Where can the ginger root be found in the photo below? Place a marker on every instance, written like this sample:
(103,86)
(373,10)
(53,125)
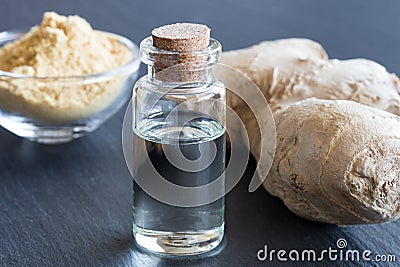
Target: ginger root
(336,161)
(275,65)
(360,80)
(290,70)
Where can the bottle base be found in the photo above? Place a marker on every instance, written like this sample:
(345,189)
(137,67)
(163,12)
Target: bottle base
(178,243)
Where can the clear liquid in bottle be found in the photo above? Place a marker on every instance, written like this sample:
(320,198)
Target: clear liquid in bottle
(169,228)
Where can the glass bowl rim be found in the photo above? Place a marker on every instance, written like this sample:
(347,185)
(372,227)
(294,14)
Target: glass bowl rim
(128,68)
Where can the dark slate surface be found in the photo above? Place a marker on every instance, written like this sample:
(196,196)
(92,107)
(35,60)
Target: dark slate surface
(70,205)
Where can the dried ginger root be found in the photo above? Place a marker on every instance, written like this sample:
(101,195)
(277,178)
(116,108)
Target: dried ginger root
(276,65)
(337,161)
(290,70)
(360,80)
(348,158)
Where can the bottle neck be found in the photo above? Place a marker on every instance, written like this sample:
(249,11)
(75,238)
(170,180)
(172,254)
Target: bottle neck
(181,75)
(180,68)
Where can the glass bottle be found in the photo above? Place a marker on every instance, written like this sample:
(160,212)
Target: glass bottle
(179,151)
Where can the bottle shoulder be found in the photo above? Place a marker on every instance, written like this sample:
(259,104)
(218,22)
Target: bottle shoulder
(147,86)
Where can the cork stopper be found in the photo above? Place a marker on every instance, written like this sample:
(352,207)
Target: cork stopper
(181,37)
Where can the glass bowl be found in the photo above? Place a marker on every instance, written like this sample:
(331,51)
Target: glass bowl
(69,107)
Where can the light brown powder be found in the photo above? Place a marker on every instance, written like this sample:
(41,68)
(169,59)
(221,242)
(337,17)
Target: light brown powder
(60,47)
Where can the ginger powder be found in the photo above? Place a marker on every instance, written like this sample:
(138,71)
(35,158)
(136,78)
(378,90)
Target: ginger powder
(61,46)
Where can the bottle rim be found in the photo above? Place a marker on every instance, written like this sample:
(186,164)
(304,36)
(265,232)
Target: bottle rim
(149,54)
